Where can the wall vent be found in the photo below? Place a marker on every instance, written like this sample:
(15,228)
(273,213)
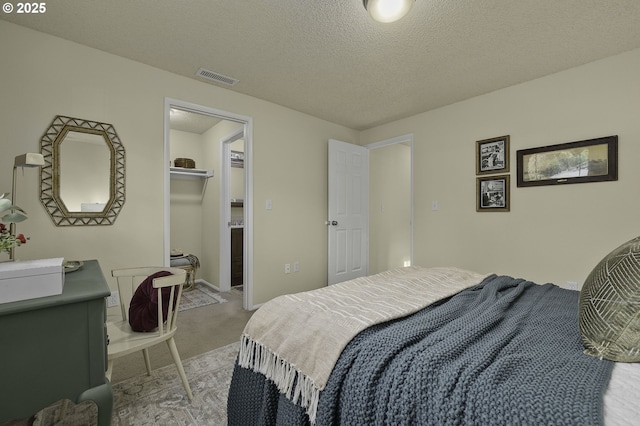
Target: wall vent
(214,76)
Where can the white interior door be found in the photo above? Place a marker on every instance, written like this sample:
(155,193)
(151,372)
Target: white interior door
(348,216)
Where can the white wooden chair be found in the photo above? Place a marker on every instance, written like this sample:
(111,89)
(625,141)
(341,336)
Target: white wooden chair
(123,340)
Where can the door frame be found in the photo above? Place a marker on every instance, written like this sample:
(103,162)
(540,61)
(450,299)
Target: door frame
(225,208)
(247,300)
(408,138)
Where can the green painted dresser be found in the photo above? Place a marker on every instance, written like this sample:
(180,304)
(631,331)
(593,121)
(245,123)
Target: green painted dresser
(55,347)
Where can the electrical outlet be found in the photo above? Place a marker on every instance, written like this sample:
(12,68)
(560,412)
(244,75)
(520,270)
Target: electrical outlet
(113,300)
(572,285)
(287,268)
(296,266)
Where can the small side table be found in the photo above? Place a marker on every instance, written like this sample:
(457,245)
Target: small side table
(189,263)
(55,348)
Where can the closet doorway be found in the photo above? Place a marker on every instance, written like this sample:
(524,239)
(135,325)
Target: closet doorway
(391,203)
(198,212)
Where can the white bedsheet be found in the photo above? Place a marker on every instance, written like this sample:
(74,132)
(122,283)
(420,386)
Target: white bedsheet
(622,397)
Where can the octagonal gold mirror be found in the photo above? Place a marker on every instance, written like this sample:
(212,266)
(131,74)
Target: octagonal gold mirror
(83,179)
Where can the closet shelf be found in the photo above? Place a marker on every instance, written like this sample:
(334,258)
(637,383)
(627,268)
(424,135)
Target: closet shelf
(190,173)
(182,173)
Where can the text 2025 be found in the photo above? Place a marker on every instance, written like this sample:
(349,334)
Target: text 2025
(31,7)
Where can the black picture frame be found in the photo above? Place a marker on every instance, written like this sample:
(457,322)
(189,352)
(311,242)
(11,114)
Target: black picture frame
(492,155)
(591,160)
(493,193)
(237,159)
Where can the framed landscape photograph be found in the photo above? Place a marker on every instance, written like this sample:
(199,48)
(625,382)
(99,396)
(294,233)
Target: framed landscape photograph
(492,194)
(492,155)
(592,160)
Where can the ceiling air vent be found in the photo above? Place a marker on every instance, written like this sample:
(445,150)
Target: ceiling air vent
(218,78)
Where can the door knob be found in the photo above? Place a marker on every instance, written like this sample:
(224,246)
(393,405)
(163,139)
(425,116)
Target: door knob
(331,222)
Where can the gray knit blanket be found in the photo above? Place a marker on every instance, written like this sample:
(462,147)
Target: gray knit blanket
(295,340)
(504,352)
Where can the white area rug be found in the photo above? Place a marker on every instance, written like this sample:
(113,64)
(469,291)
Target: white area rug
(201,295)
(160,399)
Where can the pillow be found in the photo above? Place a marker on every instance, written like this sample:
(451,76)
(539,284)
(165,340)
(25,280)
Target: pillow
(143,309)
(609,307)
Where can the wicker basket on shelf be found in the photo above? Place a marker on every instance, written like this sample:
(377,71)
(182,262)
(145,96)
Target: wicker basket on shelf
(186,163)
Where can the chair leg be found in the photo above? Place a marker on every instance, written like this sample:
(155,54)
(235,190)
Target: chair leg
(176,359)
(147,361)
(109,370)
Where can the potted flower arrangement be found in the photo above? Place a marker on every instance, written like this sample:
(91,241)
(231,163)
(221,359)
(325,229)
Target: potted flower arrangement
(10,214)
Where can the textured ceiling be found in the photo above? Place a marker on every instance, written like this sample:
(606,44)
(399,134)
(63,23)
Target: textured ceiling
(327,58)
(188,121)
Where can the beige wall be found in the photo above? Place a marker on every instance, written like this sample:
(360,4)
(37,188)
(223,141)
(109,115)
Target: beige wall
(44,76)
(553,233)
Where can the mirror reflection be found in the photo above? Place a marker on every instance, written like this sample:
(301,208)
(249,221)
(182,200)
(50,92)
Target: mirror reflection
(84,172)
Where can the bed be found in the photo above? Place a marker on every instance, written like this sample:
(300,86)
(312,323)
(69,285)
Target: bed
(429,346)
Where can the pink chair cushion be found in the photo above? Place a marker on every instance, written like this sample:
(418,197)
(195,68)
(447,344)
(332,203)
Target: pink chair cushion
(143,310)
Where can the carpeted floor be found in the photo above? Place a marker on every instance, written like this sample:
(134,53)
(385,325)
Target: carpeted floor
(160,399)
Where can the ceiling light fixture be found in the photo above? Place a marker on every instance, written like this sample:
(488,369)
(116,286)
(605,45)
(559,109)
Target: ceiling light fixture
(387,10)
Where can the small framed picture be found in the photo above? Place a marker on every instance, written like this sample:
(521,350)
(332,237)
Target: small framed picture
(492,155)
(492,194)
(237,159)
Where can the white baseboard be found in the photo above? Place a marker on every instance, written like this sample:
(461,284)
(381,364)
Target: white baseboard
(217,288)
(208,284)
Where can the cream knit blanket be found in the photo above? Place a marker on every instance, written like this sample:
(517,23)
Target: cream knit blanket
(295,340)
